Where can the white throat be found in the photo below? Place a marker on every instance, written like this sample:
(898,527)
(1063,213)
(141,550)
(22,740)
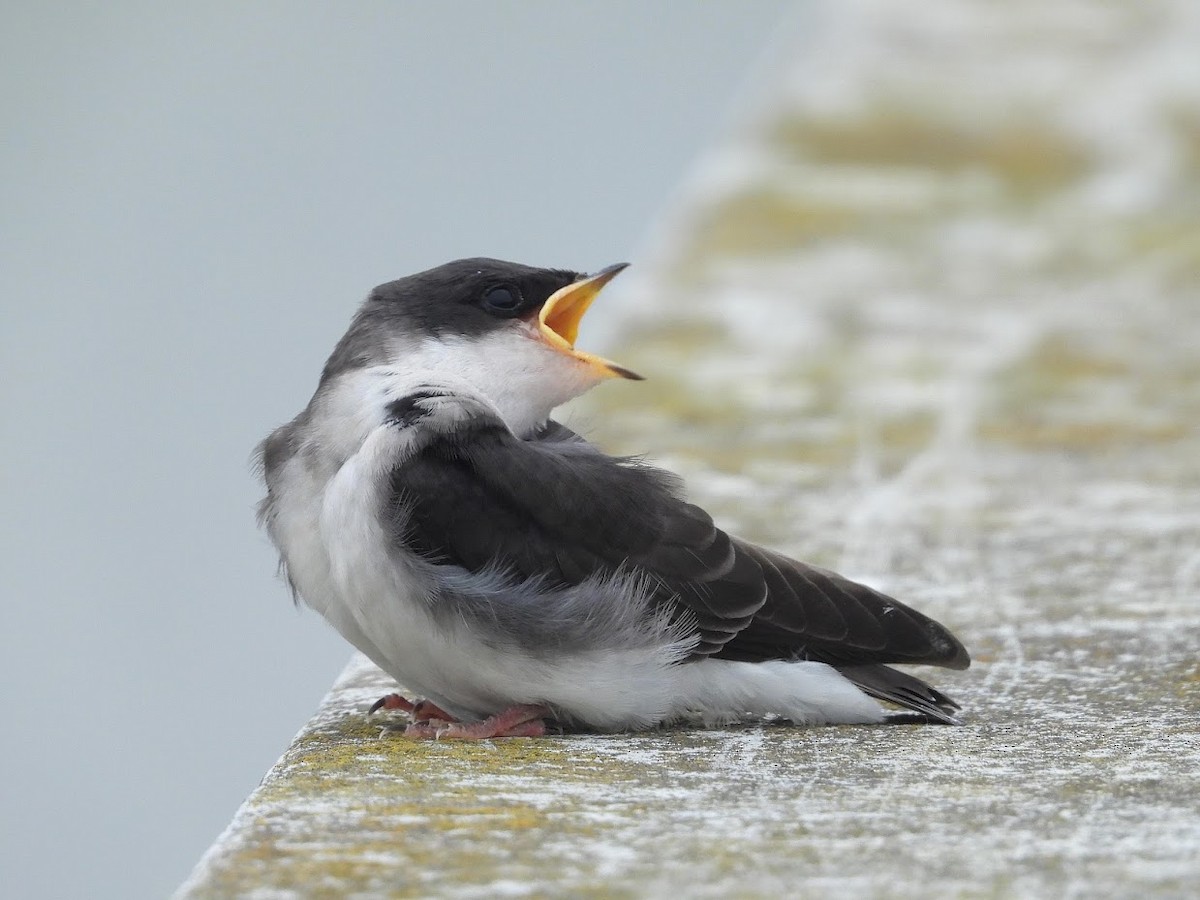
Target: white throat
(513,368)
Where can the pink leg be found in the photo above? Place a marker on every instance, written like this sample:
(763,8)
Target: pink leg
(430,722)
(532,728)
(516,721)
(424,710)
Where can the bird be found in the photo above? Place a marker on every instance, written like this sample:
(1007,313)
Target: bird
(521,581)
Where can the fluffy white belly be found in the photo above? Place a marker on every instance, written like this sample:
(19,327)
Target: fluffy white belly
(346,565)
(379,597)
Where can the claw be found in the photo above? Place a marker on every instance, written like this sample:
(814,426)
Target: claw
(392,701)
(421,731)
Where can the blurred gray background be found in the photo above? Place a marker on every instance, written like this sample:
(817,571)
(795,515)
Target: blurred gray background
(193,201)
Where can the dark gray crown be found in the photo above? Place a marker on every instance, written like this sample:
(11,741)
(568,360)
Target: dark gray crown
(448,300)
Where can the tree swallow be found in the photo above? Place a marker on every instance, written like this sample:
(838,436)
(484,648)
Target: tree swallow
(513,574)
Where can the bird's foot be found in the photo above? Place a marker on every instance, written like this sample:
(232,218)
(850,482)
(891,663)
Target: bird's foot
(428,711)
(429,722)
(420,711)
(516,721)
(425,718)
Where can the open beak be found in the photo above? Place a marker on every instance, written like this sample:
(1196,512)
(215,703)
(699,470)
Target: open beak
(560,316)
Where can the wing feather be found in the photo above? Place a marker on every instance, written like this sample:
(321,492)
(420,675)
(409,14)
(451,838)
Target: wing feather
(555,507)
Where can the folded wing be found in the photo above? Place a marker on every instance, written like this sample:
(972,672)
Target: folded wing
(556,507)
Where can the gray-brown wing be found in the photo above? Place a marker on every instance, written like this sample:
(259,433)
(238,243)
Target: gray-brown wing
(558,509)
(813,613)
(555,507)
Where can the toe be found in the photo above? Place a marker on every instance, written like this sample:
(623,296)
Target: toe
(391,701)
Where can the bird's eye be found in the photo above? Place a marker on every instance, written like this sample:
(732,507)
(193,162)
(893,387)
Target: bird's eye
(501,300)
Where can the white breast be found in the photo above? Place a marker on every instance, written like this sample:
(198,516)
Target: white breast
(343,560)
(325,520)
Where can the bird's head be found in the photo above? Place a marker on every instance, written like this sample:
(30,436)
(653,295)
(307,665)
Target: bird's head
(505,329)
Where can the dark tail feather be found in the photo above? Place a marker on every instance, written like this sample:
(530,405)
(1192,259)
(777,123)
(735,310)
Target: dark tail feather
(883,683)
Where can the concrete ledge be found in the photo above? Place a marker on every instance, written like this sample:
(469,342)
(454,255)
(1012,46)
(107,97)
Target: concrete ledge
(1011,804)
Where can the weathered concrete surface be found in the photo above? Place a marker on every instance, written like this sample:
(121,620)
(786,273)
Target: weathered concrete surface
(934,321)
